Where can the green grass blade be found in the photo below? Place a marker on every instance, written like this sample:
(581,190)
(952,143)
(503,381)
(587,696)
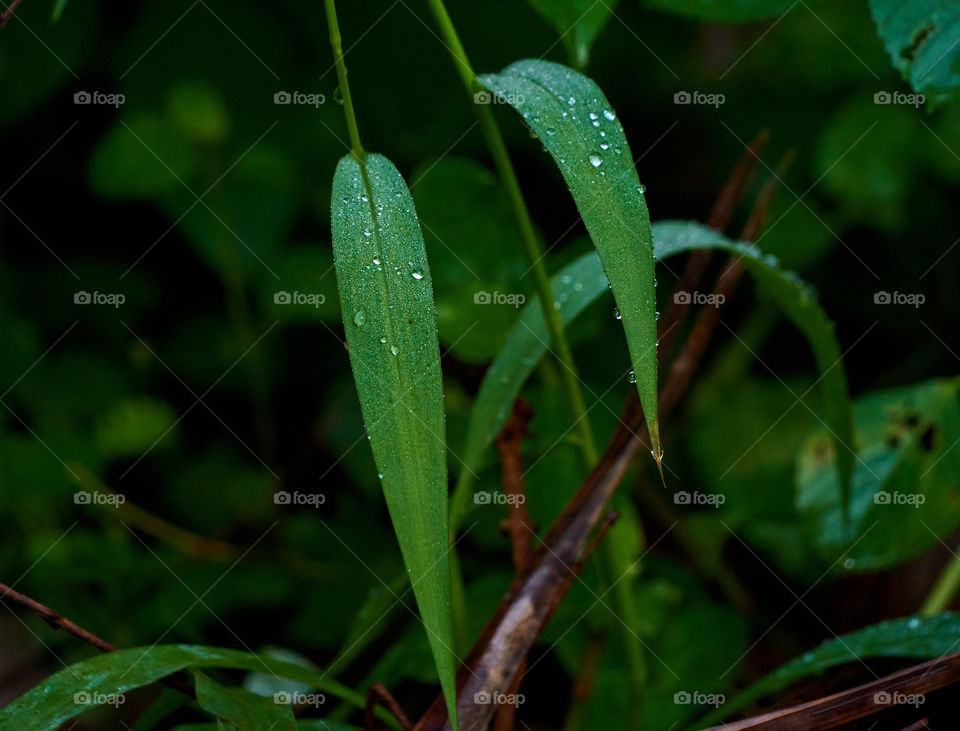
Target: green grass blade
(915,637)
(386,296)
(799,304)
(583,281)
(51,703)
(579,128)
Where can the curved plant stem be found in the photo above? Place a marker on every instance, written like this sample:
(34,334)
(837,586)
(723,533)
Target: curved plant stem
(337,45)
(508,177)
(944,590)
(612,566)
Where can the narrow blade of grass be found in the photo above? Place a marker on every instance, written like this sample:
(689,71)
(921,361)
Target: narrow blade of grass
(386,296)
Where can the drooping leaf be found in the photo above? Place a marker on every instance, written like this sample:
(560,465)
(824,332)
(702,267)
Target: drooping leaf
(578,22)
(915,637)
(247,710)
(905,490)
(51,703)
(921,38)
(799,304)
(725,11)
(386,298)
(583,281)
(579,128)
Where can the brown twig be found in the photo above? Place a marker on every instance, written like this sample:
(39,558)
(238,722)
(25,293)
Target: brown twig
(55,619)
(508,444)
(7,14)
(860,702)
(376,693)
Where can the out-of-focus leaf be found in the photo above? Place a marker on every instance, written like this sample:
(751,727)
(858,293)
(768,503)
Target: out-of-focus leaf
(132,426)
(306,290)
(921,38)
(906,484)
(579,128)
(475,251)
(386,297)
(914,637)
(247,710)
(52,703)
(197,110)
(583,281)
(578,22)
(725,11)
(58,9)
(863,161)
(125,161)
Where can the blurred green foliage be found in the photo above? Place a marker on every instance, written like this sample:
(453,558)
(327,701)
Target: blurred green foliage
(200,199)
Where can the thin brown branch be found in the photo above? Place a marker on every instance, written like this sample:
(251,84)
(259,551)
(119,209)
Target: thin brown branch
(508,443)
(864,700)
(58,621)
(376,693)
(7,14)
(55,619)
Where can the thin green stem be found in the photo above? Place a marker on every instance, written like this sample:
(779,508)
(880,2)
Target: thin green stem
(944,590)
(337,45)
(508,177)
(614,560)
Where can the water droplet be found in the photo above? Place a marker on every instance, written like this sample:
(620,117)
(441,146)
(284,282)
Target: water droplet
(604,145)
(376,260)
(609,115)
(616,312)
(849,563)
(593,116)
(417,275)
(641,189)
(551,131)
(656,315)
(338,96)
(359,318)
(364,199)
(383,340)
(571,101)
(367,232)
(596,160)
(913,623)
(380,475)
(632,377)
(394,349)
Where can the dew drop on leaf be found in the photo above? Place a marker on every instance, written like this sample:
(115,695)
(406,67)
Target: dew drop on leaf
(359,318)
(417,275)
(394,349)
(632,377)
(596,160)
(609,115)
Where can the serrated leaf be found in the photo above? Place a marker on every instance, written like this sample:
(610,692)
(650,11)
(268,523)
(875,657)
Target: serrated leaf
(578,22)
(915,637)
(579,128)
(921,38)
(583,281)
(51,703)
(247,710)
(386,296)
